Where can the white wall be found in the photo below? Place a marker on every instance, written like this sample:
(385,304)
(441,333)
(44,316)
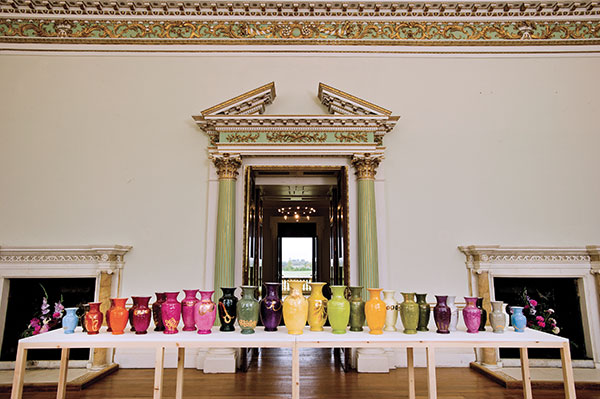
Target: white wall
(103,149)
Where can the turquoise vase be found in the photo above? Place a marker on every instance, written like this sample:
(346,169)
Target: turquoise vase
(69,321)
(519,321)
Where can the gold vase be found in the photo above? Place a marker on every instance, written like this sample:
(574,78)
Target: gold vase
(317,307)
(375,311)
(295,309)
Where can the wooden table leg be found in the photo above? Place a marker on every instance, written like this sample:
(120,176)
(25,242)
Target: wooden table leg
(295,372)
(180,363)
(567,367)
(410,365)
(431,379)
(525,374)
(61,391)
(19,375)
(159,370)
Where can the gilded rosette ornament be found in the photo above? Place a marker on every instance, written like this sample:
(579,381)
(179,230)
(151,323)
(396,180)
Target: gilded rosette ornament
(366,165)
(227,166)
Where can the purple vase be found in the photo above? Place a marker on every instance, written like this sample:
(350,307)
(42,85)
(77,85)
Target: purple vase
(131,309)
(187,310)
(471,315)
(271,310)
(171,313)
(442,314)
(141,314)
(205,312)
(156,314)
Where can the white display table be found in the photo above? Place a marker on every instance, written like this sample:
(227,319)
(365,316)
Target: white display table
(280,339)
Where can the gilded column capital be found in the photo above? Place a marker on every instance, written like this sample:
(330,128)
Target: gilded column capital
(366,165)
(227,166)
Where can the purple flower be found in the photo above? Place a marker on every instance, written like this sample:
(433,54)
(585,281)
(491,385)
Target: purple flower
(45,306)
(58,307)
(34,322)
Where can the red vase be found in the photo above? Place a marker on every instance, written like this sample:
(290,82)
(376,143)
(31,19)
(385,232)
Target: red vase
(156,314)
(187,310)
(118,316)
(107,317)
(171,313)
(93,318)
(141,314)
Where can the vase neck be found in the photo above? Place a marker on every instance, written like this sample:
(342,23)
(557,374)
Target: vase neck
(272,289)
(338,291)
(296,287)
(441,299)
(71,311)
(248,292)
(120,301)
(190,293)
(408,296)
(94,306)
(356,292)
(421,297)
(141,300)
(471,301)
(206,295)
(374,293)
(229,291)
(172,296)
(160,296)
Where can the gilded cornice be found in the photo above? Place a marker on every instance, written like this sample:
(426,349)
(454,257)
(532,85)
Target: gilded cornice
(366,165)
(227,166)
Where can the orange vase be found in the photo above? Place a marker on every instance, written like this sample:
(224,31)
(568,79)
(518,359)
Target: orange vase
(375,311)
(93,318)
(119,316)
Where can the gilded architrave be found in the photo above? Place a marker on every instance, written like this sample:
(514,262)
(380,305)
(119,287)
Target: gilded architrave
(355,137)
(366,165)
(227,166)
(243,138)
(296,137)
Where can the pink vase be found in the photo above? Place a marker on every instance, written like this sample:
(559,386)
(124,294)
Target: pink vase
(471,315)
(187,310)
(205,312)
(141,314)
(171,313)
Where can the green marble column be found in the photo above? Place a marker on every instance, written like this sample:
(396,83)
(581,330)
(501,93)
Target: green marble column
(368,266)
(227,169)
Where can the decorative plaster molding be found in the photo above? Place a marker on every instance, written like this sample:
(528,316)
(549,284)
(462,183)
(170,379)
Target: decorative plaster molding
(366,165)
(227,165)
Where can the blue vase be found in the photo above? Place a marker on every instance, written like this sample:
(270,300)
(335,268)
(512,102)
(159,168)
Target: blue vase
(518,319)
(69,321)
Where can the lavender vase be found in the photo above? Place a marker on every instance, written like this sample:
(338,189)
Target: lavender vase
(171,313)
(187,310)
(205,312)
(471,315)
(141,315)
(271,309)
(442,314)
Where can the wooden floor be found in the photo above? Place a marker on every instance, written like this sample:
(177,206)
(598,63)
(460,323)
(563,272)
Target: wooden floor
(321,376)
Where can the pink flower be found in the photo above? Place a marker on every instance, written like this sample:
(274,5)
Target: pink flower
(56,315)
(526,307)
(541,324)
(45,328)
(533,302)
(34,322)
(36,329)
(539,318)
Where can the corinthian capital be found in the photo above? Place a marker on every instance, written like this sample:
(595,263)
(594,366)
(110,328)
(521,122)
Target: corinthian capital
(227,166)
(366,165)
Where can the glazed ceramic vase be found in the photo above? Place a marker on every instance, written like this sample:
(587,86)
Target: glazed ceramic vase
(227,309)
(357,309)
(156,314)
(119,316)
(130,313)
(271,308)
(171,313)
(424,312)
(409,313)
(338,309)
(93,318)
(70,320)
(453,313)
(295,309)
(471,315)
(141,314)
(483,314)
(107,316)
(497,317)
(205,312)
(442,314)
(83,309)
(317,307)
(391,310)
(248,309)
(518,319)
(506,316)
(188,304)
(375,311)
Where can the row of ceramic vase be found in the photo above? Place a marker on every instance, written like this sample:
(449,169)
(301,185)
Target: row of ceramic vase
(296,310)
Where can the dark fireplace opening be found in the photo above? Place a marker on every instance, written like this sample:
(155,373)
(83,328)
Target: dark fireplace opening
(561,295)
(25,298)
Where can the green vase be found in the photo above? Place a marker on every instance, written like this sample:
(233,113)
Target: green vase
(248,309)
(338,309)
(424,312)
(357,309)
(409,312)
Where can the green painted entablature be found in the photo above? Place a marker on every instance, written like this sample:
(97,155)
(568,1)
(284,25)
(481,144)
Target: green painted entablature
(297,137)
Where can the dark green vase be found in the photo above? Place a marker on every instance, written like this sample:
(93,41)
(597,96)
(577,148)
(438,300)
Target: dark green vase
(410,312)
(357,309)
(424,312)
(248,309)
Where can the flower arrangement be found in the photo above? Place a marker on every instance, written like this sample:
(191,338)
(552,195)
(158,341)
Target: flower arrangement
(44,320)
(539,317)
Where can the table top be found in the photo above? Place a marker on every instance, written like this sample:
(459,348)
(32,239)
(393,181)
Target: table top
(280,338)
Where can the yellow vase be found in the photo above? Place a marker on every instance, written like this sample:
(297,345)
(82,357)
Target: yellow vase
(317,307)
(375,311)
(295,309)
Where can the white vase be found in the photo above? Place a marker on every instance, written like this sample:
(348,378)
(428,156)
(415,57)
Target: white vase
(507,318)
(391,310)
(454,314)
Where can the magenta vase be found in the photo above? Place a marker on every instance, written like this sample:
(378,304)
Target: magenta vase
(171,313)
(471,315)
(442,314)
(187,310)
(205,312)
(156,314)
(141,314)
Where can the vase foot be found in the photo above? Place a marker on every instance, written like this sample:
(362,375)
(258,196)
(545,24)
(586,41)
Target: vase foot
(189,329)
(410,331)
(140,332)
(204,331)
(376,332)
